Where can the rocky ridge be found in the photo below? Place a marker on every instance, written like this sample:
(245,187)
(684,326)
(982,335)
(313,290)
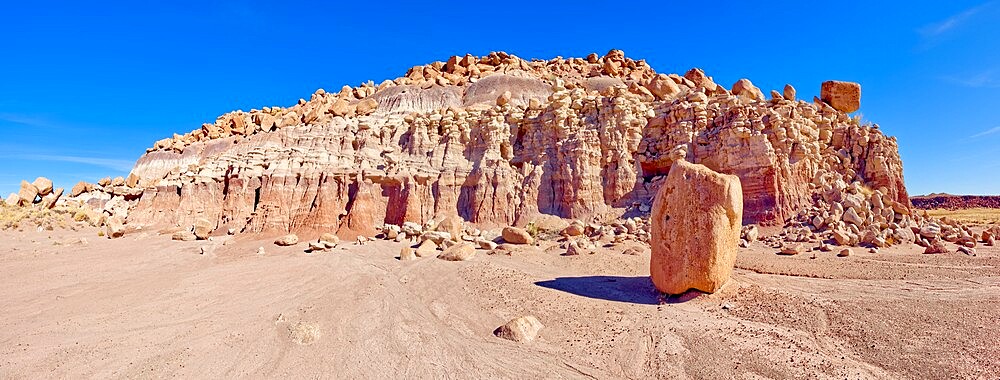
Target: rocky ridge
(955,202)
(499,140)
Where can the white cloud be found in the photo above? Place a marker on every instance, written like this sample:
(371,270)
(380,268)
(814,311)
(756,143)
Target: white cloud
(939,28)
(110,163)
(986,132)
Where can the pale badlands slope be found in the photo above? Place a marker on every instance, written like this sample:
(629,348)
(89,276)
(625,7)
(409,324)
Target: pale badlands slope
(147,307)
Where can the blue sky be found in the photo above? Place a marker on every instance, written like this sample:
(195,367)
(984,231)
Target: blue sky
(85,87)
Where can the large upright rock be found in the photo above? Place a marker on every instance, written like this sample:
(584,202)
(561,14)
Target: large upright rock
(842,96)
(696,222)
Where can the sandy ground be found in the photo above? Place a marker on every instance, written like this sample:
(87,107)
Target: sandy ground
(147,307)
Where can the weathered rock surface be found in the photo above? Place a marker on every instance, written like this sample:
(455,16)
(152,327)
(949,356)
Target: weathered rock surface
(459,252)
(696,221)
(516,235)
(44,186)
(573,139)
(842,96)
(27,194)
(287,240)
(520,329)
(203,228)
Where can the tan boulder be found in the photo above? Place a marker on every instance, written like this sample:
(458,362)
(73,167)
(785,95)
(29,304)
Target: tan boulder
(407,254)
(936,246)
(750,233)
(183,236)
(576,228)
(459,252)
(520,329)
(118,181)
(504,98)
(329,240)
(695,233)
(44,186)
(698,77)
(789,92)
(115,228)
(12,200)
(792,249)
(287,240)
(427,248)
(203,228)
(842,96)
(745,88)
(80,188)
(104,181)
(366,107)
(27,194)
(663,87)
(453,225)
(132,180)
(341,108)
(49,201)
(516,235)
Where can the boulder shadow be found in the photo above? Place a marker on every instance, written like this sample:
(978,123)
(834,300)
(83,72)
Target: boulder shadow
(637,290)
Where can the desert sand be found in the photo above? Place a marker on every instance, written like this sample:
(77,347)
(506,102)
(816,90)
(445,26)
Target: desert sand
(79,306)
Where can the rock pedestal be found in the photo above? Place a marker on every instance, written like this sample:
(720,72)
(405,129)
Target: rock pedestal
(696,221)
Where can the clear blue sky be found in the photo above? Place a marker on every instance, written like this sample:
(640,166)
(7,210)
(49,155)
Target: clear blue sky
(85,87)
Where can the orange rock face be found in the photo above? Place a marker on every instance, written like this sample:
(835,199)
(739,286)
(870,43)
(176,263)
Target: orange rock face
(842,96)
(696,221)
(573,138)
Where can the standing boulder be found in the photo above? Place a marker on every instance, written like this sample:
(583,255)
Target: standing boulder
(842,96)
(696,220)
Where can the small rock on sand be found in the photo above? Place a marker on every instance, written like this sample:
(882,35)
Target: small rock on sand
(459,252)
(520,329)
(407,254)
(287,240)
(516,235)
(427,248)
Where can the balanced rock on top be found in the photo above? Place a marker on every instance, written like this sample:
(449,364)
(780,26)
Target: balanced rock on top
(842,96)
(696,220)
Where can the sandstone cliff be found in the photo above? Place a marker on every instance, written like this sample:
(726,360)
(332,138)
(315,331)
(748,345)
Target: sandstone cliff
(499,140)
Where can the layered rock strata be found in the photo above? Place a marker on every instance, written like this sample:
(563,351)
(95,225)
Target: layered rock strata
(499,140)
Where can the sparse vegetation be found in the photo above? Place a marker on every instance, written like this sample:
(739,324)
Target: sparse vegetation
(14,218)
(969,216)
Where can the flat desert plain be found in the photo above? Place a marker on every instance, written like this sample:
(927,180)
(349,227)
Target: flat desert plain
(75,305)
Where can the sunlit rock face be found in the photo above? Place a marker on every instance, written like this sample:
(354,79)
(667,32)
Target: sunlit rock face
(499,140)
